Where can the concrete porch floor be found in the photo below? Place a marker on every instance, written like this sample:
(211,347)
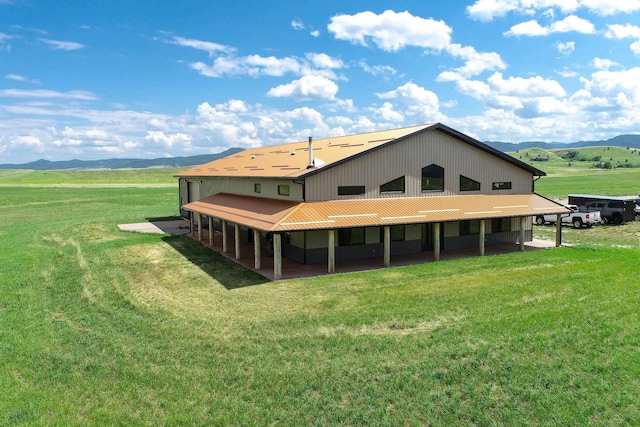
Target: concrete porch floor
(292,269)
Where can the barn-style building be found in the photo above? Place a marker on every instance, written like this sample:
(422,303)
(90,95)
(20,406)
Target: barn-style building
(426,188)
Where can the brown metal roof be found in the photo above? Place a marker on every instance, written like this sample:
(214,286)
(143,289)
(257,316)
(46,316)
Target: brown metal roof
(278,215)
(291,160)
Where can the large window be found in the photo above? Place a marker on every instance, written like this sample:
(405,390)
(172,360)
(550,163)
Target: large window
(396,233)
(283,190)
(470,227)
(350,190)
(500,224)
(433,178)
(395,186)
(351,236)
(468,184)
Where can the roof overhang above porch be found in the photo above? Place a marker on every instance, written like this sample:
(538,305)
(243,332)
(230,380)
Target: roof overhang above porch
(281,215)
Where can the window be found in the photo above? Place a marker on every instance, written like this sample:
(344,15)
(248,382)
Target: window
(351,236)
(433,178)
(396,232)
(467,184)
(283,190)
(395,186)
(257,188)
(500,224)
(350,190)
(468,228)
(501,185)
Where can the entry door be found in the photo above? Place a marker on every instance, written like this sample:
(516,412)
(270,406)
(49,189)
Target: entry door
(427,231)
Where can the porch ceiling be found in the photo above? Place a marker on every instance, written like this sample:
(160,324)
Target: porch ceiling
(281,215)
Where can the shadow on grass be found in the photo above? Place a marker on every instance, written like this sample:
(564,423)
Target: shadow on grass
(165,218)
(224,271)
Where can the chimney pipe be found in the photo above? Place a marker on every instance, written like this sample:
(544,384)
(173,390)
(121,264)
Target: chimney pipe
(310,165)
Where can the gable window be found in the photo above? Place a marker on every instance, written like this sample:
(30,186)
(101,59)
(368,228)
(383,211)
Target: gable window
(501,185)
(500,224)
(395,186)
(350,190)
(283,190)
(468,184)
(351,236)
(396,233)
(257,188)
(468,228)
(433,178)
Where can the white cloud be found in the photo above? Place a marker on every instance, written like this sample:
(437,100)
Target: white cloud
(603,64)
(306,88)
(487,10)
(168,140)
(391,31)
(566,48)
(617,31)
(378,70)
(322,60)
(526,88)
(569,24)
(621,88)
(208,47)
(418,101)
(297,25)
(386,113)
(475,62)
(63,45)
(80,95)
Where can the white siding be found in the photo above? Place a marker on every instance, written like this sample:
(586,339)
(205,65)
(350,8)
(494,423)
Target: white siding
(408,158)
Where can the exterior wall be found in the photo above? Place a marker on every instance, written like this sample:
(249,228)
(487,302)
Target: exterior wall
(208,186)
(408,158)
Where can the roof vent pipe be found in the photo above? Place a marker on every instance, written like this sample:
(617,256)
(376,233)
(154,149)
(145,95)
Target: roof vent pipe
(310,165)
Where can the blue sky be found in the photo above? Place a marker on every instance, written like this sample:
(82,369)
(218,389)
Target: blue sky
(146,79)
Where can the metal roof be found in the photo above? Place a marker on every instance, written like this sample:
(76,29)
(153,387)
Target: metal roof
(279,215)
(292,160)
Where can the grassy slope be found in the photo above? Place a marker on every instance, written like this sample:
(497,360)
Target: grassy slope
(99,326)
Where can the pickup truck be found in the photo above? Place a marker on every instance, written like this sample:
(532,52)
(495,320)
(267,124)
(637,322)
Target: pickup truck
(576,218)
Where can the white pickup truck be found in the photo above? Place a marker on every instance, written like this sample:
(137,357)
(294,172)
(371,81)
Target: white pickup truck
(577,218)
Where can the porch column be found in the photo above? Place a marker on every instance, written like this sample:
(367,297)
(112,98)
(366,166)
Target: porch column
(523,222)
(482,235)
(436,241)
(211,231)
(225,240)
(236,236)
(277,256)
(331,252)
(387,246)
(558,230)
(191,229)
(256,248)
(199,226)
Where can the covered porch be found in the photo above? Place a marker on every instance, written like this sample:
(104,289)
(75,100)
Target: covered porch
(276,217)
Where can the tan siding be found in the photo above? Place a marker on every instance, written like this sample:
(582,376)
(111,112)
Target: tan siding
(408,158)
(245,187)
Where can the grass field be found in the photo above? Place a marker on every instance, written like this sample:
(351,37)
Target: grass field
(100,326)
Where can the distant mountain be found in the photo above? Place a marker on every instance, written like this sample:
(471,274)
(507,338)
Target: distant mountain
(45,165)
(631,141)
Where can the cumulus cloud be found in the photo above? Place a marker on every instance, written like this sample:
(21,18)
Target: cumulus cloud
(168,140)
(619,32)
(603,64)
(306,88)
(566,49)
(416,100)
(487,10)
(569,24)
(62,45)
(391,31)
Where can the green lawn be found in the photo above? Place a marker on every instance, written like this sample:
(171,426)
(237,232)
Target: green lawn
(100,326)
